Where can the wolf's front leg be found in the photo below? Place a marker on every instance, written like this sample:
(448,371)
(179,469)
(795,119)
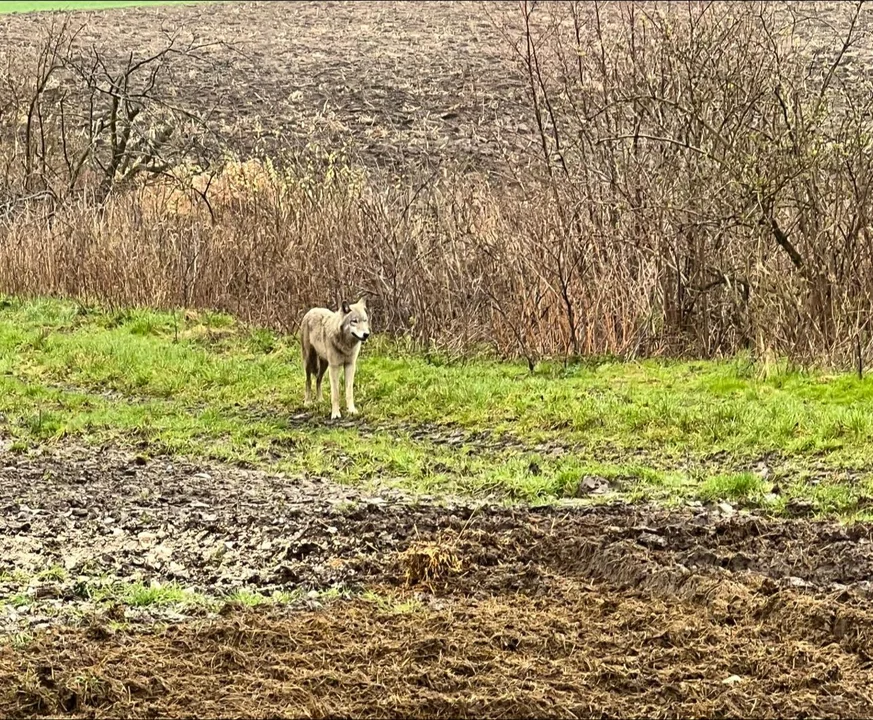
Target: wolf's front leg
(350,388)
(334,371)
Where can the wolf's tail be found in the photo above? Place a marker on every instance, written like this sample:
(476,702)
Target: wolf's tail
(304,341)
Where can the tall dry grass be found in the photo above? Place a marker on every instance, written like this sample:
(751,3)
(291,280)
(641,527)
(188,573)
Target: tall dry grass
(703,186)
(452,263)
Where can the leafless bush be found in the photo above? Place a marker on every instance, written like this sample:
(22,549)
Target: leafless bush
(81,122)
(700,146)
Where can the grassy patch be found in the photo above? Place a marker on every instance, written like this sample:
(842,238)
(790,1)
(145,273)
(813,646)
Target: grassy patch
(137,594)
(141,595)
(55,573)
(202,385)
(19,640)
(393,603)
(19,600)
(13,6)
(742,487)
(105,591)
(249,598)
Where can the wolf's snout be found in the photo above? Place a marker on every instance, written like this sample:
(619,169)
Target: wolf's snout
(365,335)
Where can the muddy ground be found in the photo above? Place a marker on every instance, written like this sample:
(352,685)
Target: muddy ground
(447,608)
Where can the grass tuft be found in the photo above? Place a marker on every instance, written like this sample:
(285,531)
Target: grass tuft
(738,487)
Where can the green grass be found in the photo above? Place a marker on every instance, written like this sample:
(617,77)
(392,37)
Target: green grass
(247,598)
(204,386)
(742,487)
(56,573)
(19,600)
(141,595)
(13,6)
(393,604)
(19,641)
(104,590)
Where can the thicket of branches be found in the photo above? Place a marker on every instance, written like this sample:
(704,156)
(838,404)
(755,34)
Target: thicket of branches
(702,150)
(700,185)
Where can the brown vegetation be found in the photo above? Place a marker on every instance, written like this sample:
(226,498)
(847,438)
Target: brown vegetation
(584,651)
(699,185)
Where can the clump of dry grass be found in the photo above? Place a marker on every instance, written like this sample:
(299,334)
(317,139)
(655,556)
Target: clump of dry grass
(429,563)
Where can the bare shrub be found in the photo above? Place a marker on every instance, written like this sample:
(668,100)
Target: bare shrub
(82,122)
(715,159)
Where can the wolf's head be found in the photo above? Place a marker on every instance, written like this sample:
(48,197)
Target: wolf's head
(355,320)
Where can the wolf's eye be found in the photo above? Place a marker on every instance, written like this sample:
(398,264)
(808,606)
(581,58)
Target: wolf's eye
(354,322)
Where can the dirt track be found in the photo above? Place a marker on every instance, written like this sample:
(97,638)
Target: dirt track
(617,611)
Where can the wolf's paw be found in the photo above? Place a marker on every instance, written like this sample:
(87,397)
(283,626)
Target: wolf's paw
(352,410)
(335,415)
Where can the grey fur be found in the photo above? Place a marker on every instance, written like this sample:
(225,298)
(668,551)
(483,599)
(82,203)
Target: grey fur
(330,342)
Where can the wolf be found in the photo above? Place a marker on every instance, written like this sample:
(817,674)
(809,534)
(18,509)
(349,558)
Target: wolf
(331,342)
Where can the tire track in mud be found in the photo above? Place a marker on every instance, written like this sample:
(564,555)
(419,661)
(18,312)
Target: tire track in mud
(219,529)
(618,610)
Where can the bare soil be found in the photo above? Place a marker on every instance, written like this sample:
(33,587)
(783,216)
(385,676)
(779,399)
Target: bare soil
(402,86)
(397,84)
(452,608)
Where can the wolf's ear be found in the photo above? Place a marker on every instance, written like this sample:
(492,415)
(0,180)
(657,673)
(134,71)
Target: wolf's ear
(345,307)
(363,303)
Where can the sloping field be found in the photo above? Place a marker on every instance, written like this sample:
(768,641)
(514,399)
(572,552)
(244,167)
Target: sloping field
(398,84)
(395,82)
